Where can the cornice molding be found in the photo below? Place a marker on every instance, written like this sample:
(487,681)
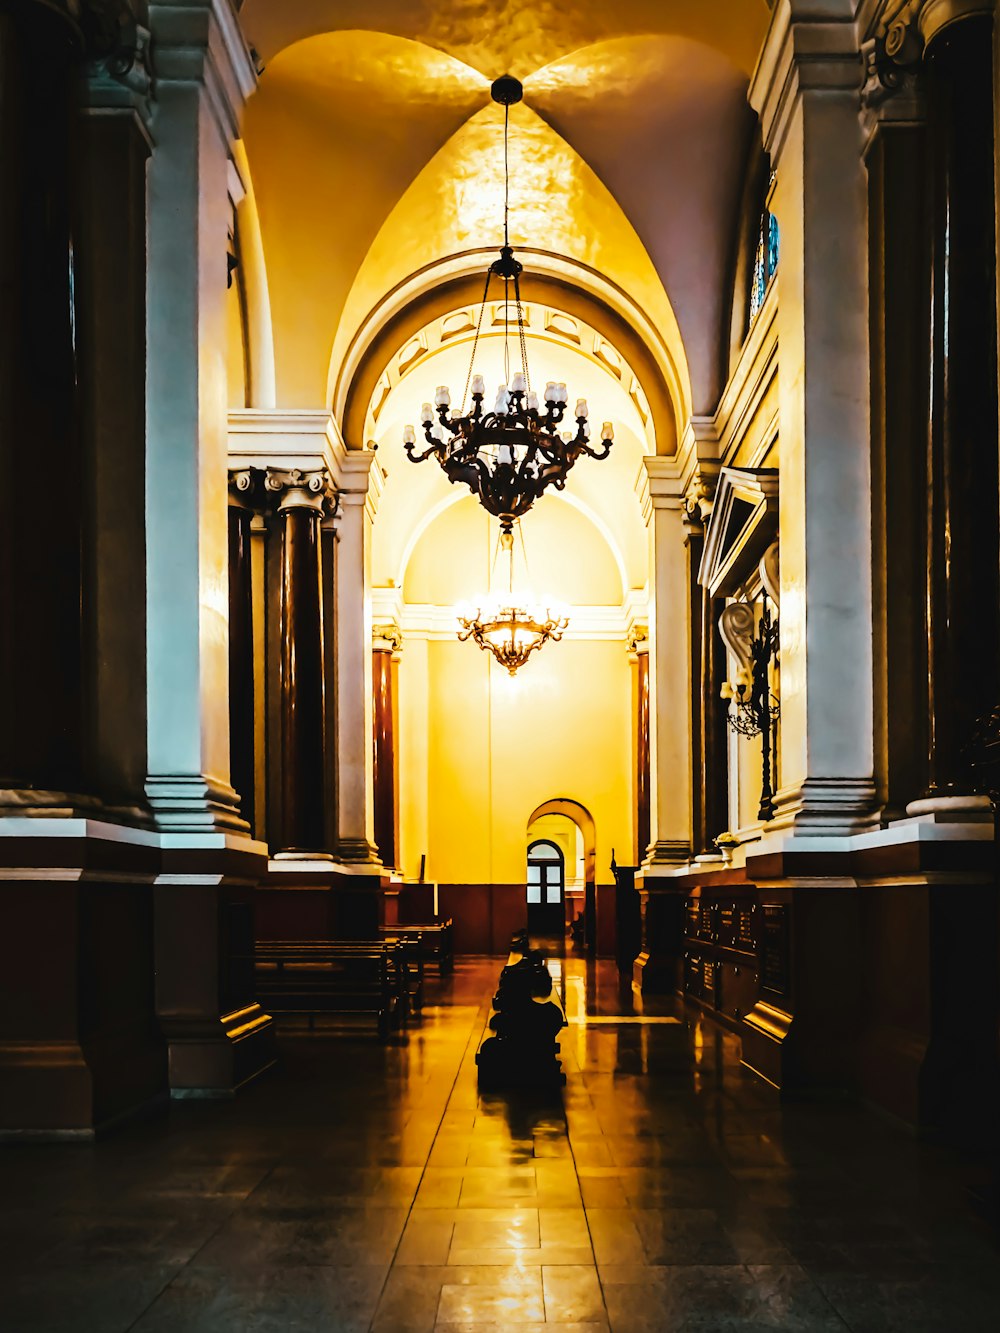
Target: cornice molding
(801,53)
(283,438)
(200,42)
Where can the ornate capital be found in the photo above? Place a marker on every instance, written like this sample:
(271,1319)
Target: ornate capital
(295,489)
(699,497)
(638,633)
(892,56)
(387,638)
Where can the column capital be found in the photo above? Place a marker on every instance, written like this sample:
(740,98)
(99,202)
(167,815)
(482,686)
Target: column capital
(637,638)
(296,489)
(119,72)
(817,51)
(387,638)
(699,496)
(201,42)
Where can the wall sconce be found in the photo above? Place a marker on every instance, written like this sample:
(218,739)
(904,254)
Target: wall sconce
(753,706)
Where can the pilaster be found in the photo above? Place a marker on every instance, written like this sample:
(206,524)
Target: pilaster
(670,720)
(204,73)
(806,90)
(359,487)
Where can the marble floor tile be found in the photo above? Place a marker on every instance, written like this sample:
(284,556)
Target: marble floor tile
(655,1194)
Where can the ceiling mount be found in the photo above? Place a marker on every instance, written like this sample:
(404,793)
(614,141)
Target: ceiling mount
(507,90)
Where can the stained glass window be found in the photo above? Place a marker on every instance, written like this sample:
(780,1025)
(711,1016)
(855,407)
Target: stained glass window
(765,263)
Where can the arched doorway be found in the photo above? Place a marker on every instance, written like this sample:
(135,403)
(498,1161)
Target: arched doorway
(546,889)
(570,826)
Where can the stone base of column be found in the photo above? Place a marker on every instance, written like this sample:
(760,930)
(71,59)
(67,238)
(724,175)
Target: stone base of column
(658,970)
(826,807)
(359,852)
(190,803)
(667,852)
(80,1048)
(218,1037)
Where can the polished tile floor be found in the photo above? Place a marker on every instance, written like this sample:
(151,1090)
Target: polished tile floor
(369,1187)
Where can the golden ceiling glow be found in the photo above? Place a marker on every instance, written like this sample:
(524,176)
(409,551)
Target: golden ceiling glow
(516,35)
(557,204)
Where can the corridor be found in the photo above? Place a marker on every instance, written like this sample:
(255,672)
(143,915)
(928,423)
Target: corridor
(368,1187)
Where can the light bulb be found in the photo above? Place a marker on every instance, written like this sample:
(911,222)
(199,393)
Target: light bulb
(478,386)
(561,395)
(442,396)
(607,431)
(581,408)
(503,398)
(408,435)
(550,391)
(426,413)
(517,384)
(532,401)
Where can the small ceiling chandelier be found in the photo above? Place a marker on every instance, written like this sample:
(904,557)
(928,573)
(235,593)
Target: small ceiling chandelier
(506,457)
(508,631)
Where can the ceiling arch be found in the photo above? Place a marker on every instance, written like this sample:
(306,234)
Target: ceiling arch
(376,155)
(520,35)
(456,495)
(384,338)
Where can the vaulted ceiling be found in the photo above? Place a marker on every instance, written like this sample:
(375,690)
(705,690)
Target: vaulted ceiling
(376,153)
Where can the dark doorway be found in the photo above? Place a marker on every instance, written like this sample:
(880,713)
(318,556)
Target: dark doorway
(546,890)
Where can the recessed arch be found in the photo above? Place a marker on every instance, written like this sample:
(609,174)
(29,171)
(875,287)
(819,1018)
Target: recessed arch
(563,285)
(456,494)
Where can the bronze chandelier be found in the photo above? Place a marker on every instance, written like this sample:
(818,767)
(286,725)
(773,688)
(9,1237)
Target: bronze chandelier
(508,456)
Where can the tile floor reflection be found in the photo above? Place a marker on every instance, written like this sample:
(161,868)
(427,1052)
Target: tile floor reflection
(367,1187)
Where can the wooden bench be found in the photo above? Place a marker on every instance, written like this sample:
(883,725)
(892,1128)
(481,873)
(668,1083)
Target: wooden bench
(435,941)
(334,977)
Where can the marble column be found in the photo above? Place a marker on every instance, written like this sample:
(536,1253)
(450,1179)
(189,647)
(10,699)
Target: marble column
(217,1035)
(695,543)
(79,1044)
(670,685)
(806,91)
(204,73)
(242,712)
(714,747)
(360,904)
(301,675)
(109,253)
(355,769)
(642,747)
(385,668)
(40,562)
(899,283)
(963,585)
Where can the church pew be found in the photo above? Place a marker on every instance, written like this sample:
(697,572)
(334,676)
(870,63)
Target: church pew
(435,941)
(334,977)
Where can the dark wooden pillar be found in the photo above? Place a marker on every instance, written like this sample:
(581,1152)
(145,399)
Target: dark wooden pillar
(899,268)
(40,551)
(384,775)
(963,584)
(642,755)
(714,735)
(109,262)
(301,674)
(695,542)
(242,750)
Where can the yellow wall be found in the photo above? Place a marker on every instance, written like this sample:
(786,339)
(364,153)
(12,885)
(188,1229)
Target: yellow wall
(498,747)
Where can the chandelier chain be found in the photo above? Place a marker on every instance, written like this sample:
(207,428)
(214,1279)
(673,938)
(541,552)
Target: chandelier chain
(475,341)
